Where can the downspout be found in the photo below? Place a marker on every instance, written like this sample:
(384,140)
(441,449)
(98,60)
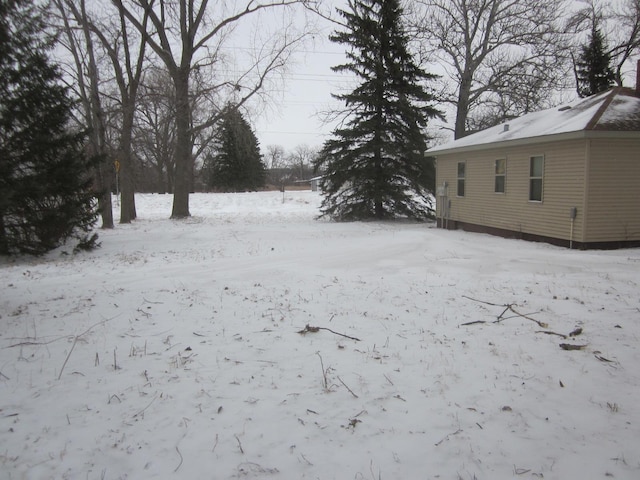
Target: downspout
(573,213)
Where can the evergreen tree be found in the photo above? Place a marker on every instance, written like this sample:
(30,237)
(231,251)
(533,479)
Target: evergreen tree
(374,167)
(45,195)
(236,164)
(593,71)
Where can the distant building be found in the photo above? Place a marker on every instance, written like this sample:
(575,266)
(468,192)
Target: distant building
(315,183)
(568,176)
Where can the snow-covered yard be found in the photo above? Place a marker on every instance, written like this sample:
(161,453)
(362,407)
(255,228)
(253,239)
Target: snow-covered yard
(175,351)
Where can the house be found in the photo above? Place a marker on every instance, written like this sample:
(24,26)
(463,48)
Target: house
(568,176)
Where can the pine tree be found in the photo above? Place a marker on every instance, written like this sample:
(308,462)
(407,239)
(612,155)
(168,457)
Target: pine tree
(374,166)
(45,195)
(236,164)
(593,71)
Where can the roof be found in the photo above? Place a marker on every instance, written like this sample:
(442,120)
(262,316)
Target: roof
(616,110)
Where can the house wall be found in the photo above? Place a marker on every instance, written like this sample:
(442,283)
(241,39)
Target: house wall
(563,188)
(613,204)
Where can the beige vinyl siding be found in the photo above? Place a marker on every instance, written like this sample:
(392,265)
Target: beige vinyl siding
(564,175)
(613,205)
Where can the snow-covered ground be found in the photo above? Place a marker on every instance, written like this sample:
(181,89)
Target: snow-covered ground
(175,351)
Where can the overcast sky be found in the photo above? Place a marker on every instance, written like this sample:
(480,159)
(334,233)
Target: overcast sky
(295,117)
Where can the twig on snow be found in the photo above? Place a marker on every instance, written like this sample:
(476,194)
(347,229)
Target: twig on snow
(310,329)
(603,359)
(181,460)
(449,435)
(345,386)
(520,471)
(325,382)
(75,340)
(239,444)
(28,343)
(547,332)
(141,412)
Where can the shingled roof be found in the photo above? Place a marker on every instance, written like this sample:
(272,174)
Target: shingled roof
(616,110)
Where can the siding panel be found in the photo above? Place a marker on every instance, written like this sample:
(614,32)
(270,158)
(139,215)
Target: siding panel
(563,188)
(614,191)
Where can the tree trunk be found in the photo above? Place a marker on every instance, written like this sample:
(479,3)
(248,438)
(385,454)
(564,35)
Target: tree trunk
(128,202)
(462,108)
(184,159)
(104,194)
(4,246)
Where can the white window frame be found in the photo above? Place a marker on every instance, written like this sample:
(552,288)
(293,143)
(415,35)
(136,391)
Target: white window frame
(500,175)
(536,178)
(460,179)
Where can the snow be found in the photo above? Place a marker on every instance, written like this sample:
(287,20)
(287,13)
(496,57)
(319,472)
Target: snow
(622,108)
(173,352)
(570,118)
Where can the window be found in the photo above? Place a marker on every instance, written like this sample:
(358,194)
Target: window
(536,171)
(501,175)
(461,178)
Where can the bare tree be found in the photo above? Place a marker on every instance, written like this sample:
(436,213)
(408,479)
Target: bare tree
(78,41)
(502,57)
(301,160)
(115,42)
(275,156)
(154,132)
(626,34)
(187,35)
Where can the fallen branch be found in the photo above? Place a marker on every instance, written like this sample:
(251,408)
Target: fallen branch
(568,346)
(310,329)
(508,307)
(540,324)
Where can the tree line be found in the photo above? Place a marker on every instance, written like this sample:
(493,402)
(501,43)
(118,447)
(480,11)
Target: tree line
(157,89)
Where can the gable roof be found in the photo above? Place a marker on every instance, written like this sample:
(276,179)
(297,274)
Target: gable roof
(616,110)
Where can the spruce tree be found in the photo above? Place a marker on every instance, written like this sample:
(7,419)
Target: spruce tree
(236,164)
(45,195)
(593,68)
(374,166)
